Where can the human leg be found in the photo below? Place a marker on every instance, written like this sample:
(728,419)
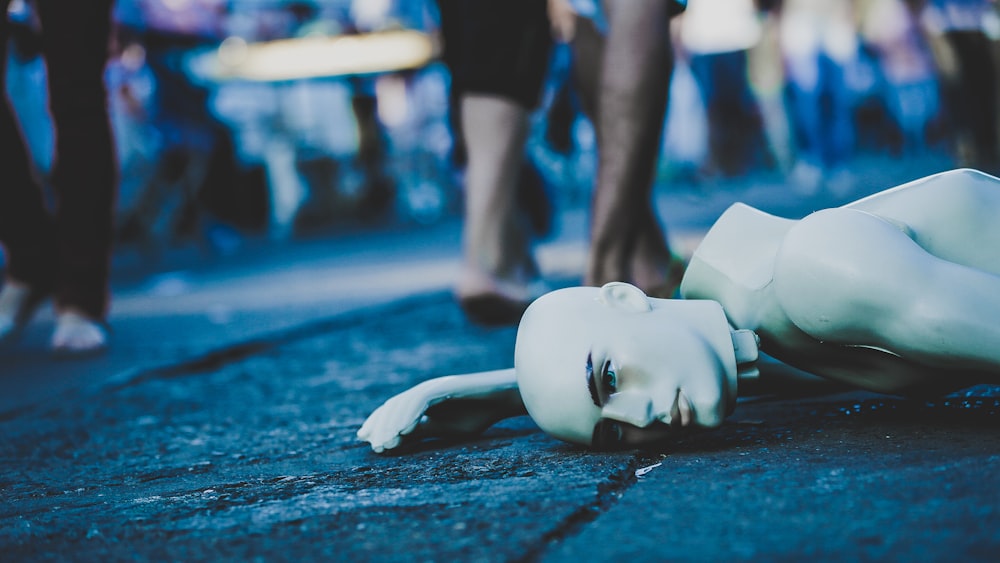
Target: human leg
(802,71)
(497,53)
(631,107)
(379,189)
(734,128)
(495,245)
(588,46)
(839,138)
(977,107)
(75,45)
(25,224)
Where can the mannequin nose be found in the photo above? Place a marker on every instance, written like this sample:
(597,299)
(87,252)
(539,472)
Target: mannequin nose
(630,407)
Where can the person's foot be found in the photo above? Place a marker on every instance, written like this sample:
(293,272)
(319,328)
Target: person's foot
(78,335)
(654,268)
(492,301)
(18,303)
(656,274)
(661,279)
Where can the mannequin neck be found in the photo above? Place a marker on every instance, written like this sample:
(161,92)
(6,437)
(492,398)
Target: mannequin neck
(734,264)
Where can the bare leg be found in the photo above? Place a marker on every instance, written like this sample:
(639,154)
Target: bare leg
(653,267)
(495,242)
(631,106)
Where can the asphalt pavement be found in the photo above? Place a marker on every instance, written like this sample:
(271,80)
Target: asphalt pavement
(220,426)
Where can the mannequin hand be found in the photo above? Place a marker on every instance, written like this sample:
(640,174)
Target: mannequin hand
(444,406)
(398,417)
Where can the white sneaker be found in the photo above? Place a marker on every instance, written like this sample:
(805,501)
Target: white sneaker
(77,335)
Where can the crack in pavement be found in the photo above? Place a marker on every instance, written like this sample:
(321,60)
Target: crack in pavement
(609,492)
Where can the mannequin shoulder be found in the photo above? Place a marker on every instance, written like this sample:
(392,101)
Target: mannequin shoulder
(962,190)
(839,271)
(833,246)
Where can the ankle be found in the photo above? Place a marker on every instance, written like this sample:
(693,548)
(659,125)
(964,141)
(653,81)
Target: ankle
(77,313)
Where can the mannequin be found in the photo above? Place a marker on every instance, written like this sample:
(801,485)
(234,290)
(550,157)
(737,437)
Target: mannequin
(898,292)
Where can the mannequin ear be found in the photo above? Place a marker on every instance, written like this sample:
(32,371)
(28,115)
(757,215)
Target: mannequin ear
(625,297)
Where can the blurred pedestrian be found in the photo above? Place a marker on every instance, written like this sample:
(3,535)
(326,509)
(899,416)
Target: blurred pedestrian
(819,43)
(968,65)
(766,72)
(891,30)
(623,64)
(497,52)
(65,251)
(716,37)
(196,168)
(622,67)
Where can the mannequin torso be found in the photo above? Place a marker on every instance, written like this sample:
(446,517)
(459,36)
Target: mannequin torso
(862,293)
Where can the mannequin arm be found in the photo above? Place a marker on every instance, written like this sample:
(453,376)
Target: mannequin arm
(453,405)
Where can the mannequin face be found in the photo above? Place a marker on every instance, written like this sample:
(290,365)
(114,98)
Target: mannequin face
(609,367)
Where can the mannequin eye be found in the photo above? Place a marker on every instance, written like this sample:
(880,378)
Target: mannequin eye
(609,378)
(601,383)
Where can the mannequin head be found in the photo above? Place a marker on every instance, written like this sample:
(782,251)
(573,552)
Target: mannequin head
(610,367)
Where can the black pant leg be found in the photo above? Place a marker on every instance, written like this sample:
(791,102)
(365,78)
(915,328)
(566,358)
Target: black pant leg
(75,44)
(25,224)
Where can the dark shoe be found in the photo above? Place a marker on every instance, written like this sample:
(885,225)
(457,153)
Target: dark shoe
(489,301)
(493,309)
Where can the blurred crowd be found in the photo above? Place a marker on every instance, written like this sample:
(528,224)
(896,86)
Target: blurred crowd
(280,118)
(795,86)
(804,85)
(213,157)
